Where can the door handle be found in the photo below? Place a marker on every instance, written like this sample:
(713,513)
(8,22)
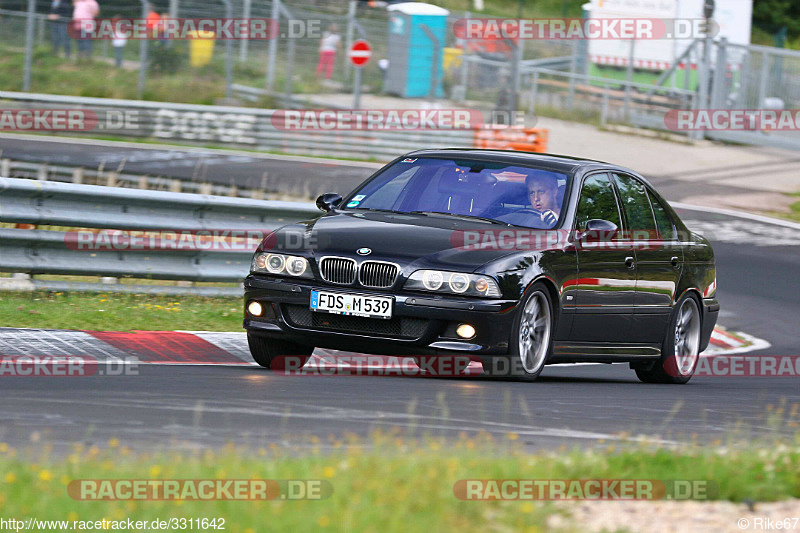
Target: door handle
(674,261)
(629,262)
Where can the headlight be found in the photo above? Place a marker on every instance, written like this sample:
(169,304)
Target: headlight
(453,283)
(296,266)
(280,264)
(432,280)
(458,283)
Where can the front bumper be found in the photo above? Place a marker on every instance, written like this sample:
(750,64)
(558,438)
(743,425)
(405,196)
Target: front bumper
(420,325)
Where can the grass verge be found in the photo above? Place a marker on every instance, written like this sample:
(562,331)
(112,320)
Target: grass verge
(395,484)
(795,207)
(119,312)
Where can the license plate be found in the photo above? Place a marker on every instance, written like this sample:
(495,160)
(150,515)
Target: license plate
(340,303)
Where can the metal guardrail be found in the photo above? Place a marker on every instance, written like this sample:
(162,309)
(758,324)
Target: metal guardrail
(113,178)
(35,251)
(240,127)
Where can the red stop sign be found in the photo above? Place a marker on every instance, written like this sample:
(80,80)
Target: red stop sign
(360,53)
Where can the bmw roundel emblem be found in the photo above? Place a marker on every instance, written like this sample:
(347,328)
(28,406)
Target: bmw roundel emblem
(364,251)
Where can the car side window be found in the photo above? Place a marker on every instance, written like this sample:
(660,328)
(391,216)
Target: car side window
(597,200)
(666,229)
(636,204)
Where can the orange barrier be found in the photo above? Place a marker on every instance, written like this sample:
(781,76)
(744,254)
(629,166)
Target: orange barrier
(511,138)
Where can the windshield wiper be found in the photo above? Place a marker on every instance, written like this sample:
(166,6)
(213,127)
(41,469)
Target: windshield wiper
(463,217)
(375,209)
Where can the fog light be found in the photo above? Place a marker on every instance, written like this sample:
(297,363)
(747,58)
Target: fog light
(465,331)
(255,308)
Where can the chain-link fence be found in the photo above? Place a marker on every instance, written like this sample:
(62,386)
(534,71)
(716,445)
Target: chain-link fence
(549,77)
(287,65)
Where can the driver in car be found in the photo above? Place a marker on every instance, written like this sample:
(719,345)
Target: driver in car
(543,193)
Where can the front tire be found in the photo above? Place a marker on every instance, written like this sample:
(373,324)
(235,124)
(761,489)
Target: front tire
(680,351)
(269,352)
(531,342)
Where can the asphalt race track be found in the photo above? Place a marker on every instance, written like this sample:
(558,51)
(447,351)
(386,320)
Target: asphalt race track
(246,171)
(198,406)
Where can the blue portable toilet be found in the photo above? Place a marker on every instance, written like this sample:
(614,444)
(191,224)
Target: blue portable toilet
(417,37)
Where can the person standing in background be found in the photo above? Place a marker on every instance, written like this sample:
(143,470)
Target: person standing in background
(331,41)
(83,15)
(118,42)
(59,17)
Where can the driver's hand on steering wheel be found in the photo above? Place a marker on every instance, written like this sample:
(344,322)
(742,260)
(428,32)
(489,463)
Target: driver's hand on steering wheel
(549,217)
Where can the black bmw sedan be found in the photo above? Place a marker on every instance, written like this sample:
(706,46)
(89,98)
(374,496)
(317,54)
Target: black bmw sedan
(515,259)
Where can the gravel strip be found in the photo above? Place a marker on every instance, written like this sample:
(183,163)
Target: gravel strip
(678,517)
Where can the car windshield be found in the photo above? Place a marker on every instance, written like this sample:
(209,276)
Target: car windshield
(499,192)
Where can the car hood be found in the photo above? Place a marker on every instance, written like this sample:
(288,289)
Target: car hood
(418,241)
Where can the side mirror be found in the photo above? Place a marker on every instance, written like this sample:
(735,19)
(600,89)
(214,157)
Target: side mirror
(328,201)
(598,224)
(597,230)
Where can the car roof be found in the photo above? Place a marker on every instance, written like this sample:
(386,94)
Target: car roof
(562,163)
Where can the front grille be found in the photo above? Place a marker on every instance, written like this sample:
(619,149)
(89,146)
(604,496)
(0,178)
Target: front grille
(400,327)
(338,270)
(377,274)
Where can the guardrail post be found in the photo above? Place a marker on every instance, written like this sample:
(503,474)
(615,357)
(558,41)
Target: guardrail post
(77,175)
(5,168)
(41,173)
(534,90)
(604,111)
(144,182)
(175,185)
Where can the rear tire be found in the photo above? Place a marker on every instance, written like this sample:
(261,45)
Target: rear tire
(680,351)
(268,352)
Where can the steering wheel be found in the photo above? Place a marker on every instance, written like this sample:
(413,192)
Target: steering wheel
(548,218)
(528,210)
